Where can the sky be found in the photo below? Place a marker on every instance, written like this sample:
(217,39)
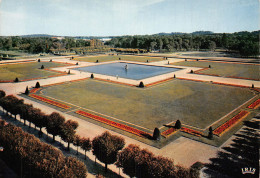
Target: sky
(126,17)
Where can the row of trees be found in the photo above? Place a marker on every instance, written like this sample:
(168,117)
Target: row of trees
(246,43)
(54,123)
(33,158)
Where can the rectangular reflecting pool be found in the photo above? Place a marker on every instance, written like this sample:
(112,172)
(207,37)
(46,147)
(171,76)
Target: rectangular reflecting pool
(128,70)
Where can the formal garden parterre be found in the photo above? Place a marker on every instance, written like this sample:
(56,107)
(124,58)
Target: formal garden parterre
(26,71)
(224,69)
(136,111)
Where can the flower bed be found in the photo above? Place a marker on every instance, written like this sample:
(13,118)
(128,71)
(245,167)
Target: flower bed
(158,82)
(233,85)
(243,78)
(114,124)
(254,105)
(191,131)
(169,132)
(35,90)
(227,125)
(55,103)
(115,82)
(194,80)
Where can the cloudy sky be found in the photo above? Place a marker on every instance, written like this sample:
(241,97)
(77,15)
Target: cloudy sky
(126,17)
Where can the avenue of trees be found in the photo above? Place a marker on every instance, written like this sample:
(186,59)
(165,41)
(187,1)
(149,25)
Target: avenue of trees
(43,160)
(33,158)
(246,43)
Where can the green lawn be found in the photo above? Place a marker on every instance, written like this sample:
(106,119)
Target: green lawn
(26,70)
(115,57)
(225,69)
(194,103)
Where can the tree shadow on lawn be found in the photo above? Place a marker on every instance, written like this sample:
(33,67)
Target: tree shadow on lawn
(242,153)
(92,167)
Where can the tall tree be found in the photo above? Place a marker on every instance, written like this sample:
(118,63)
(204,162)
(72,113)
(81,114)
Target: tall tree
(85,145)
(68,131)
(106,146)
(55,123)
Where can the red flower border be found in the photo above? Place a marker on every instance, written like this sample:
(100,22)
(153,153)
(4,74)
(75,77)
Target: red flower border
(191,131)
(169,132)
(254,105)
(114,124)
(230,123)
(55,103)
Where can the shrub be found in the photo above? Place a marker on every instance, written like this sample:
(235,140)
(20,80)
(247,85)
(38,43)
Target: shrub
(147,61)
(119,59)
(2,94)
(195,169)
(39,60)
(92,76)
(69,72)
(37,85)
(42,67)
(141,85)
(191,71)
(97,61)
(77,63)
(209,66)
(26,91)
(210,135)
(16,80)
(253,86)
(156,134)
(174,76)
(50,60)
(178,124)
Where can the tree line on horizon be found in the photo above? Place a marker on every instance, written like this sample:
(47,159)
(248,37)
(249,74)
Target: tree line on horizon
(40,44)
(245,43)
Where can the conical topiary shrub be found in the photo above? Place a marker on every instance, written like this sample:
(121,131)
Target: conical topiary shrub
(69,72)
(26,91)
(141,85)
(42,67)
(210,136)
(253,86)
(92,76)
(97,61)
(16,80)
(178,124)
(191,71)
(39,60)
(37,85)
(77,63)
(156,134)
(174,76)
